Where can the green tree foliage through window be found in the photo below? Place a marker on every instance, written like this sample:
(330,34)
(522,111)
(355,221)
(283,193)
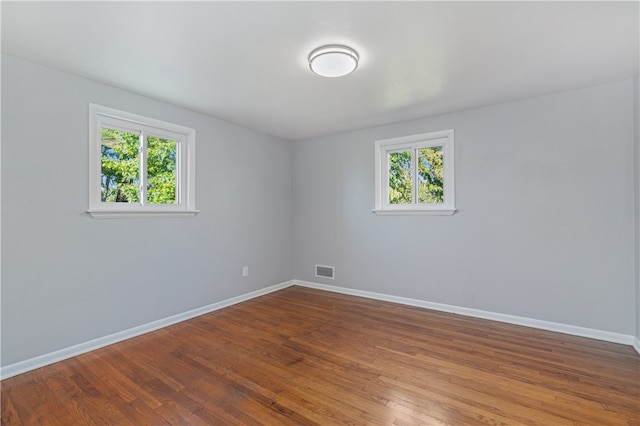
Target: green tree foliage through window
(430,178)
(400,187)
(120,168)
(120,158)
(161,171)
(430,175)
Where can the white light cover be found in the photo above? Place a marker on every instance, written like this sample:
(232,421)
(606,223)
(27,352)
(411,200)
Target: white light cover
(333,60)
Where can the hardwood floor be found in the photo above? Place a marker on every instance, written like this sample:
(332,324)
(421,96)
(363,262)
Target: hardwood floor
(301,356)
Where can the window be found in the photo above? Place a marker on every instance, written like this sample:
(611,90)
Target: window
(414,174)
(139,166)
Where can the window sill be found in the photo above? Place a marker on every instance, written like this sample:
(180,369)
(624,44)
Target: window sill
(123,214)
(414,212)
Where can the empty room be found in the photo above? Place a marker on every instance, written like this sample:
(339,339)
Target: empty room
(320,213)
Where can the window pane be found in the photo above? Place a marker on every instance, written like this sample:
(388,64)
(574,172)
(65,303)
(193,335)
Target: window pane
(120,165)
(400,177)
(430,175)
(161,170)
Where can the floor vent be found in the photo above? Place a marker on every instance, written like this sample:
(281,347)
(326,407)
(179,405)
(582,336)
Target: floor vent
(325,271)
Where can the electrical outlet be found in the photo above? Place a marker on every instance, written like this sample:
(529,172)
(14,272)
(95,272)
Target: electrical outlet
(245,271)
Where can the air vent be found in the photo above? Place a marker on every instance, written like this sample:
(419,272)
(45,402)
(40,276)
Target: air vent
(325,271)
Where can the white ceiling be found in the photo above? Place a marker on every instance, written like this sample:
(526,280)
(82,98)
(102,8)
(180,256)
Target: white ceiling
(246,62)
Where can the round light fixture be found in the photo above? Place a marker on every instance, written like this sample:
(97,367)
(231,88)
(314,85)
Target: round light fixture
(333,60)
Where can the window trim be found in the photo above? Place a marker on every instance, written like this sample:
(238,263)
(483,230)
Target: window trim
(383,147)
(120,120)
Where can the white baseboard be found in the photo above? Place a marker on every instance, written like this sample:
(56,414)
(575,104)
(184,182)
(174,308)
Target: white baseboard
(59,355)
(511,319)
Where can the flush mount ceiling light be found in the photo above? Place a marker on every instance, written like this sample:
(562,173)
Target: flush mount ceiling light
(333,60)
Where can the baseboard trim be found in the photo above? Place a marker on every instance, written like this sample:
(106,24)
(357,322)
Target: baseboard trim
(476,313)
(62,354)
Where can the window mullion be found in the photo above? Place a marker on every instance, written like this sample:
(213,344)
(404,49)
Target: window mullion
(143,168)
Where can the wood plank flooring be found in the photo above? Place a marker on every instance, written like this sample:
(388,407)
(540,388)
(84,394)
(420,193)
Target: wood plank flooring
(303,357)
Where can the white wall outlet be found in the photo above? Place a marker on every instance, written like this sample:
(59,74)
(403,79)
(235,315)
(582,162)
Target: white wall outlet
(245,271)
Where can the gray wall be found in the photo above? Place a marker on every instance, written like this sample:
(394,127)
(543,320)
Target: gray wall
(636,132)
(544,230)
(68,278)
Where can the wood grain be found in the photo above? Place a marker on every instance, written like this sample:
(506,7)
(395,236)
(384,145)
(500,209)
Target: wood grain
(307,357)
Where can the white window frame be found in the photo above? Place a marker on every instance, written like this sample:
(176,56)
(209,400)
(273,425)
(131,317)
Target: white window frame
(412,142)
(101,116)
